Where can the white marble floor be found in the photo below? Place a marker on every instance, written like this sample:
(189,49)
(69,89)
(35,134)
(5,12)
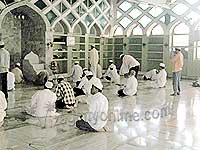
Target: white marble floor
(152,120)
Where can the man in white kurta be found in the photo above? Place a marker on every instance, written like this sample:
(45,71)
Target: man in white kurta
(96,118)
(111,74)
(11,81)
(77,72)
(130,87)
(43,102)
(129,62)
(18,73)
(3,107)
(161,77)
(94,59)
(4,68)
(84,86)
(150,75)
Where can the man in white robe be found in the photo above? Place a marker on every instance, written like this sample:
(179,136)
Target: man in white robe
(161,77)
(43,102)
(129,62)
(94,59)
(18,73)
(3,107)
(111,74)
(76,73)
(96,118)
(130,87)
(84,86)
(150,75)
(11,81)
(4,68)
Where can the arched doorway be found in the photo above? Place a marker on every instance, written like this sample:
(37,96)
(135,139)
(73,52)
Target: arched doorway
(23,30)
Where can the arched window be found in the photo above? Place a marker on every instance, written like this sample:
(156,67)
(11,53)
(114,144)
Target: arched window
(118,31)
(157,30)
(137,31)
(181,35)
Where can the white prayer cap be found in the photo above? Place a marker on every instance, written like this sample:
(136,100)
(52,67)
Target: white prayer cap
(18,64)
(162,65)
(121,55)
(60,77)
(76,62)
(49,85)
(97,83)
(111,61)
(88,73)
(2,43)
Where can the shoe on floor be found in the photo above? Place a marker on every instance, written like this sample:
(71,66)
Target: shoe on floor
(178,93)
(173,94)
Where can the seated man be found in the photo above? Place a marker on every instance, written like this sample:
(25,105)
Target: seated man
(98,109)
(10,81)
(3,107)
(42,78)
(43,102)
(18,73)
(77,73)
(65,95)
(160,78)
(84,86)
(130,88)
(111,74)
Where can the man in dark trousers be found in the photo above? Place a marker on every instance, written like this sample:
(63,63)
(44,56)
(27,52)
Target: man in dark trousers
(4,68)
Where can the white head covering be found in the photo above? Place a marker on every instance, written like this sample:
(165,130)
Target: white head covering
(162,65)
(88,73)
(49,85)
(121,55)
(18,64)
(2,43)
(111,61)
(76,62)
(97,83)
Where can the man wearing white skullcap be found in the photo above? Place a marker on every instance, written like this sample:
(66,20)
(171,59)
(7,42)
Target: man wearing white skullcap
(111,74)
(18,73)
(96,118)
(3,107)
(43,102)
(76,73)
(161,77)
(4,68)
(84,86)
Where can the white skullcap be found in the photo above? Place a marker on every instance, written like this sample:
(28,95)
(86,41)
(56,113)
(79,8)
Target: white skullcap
(97,83)
(88,73)
(111,61)
(49,85)
(162,65)
(18,64)
(121,55)
(1,43)
(76,62)
(60,77)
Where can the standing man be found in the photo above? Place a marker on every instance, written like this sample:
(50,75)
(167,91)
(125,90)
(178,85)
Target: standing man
(4,68)
(94,59)
(129,62)
(177,65)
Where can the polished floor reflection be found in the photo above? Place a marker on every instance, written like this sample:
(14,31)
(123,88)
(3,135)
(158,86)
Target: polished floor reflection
(152,120)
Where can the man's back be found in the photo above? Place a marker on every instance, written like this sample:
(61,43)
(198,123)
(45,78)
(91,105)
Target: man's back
(18,75)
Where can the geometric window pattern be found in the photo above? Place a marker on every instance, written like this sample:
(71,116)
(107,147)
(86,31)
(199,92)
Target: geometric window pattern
(88,11)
